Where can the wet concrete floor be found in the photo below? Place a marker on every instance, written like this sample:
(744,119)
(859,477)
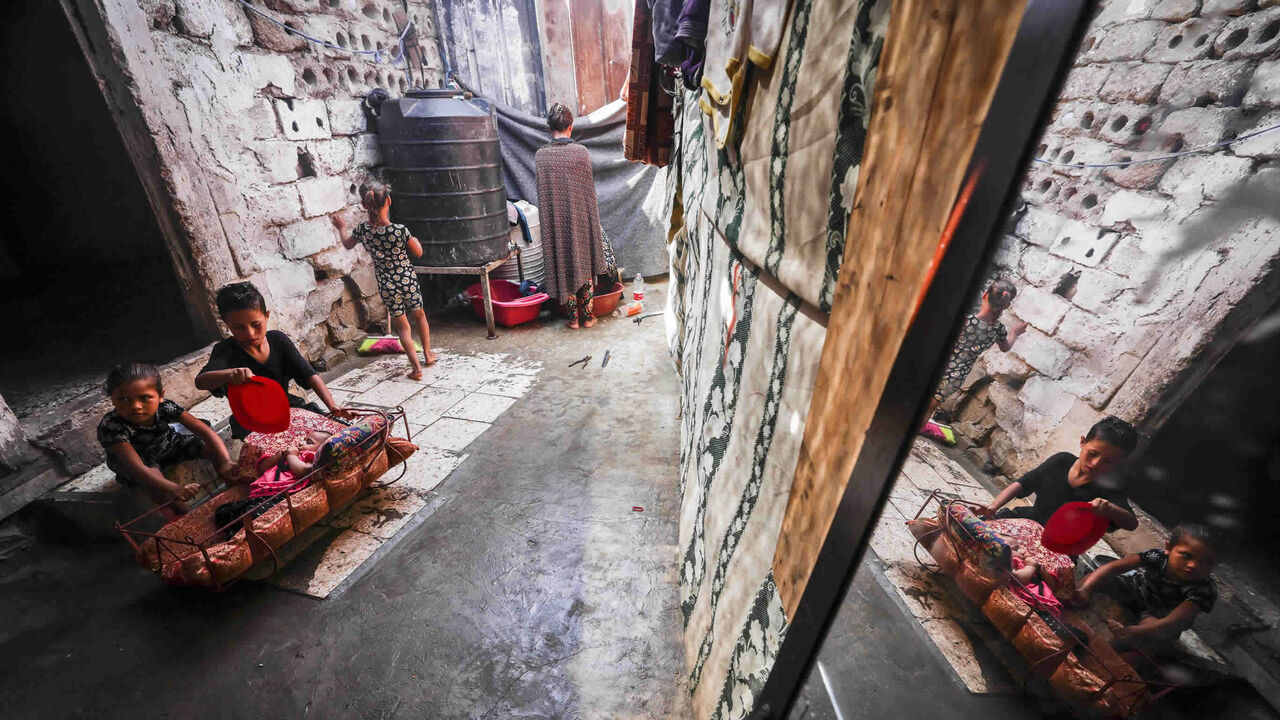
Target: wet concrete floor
(535,590)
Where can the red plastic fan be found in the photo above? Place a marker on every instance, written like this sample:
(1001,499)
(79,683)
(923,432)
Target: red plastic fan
(260,405)
(1074,528)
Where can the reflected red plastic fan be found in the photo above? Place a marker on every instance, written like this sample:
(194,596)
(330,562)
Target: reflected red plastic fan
(260,405)
(1074,528)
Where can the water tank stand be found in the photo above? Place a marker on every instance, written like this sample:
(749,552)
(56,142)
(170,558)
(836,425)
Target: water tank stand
(483,271)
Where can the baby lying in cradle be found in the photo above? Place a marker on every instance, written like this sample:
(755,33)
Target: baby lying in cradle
(278,471)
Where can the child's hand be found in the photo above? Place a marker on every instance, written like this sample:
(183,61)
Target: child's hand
(341,412)
(182,493)
(239,376)
(1017,329)
(1119,633)
(1104,507)
(225,470)
(338,221)
(984,511)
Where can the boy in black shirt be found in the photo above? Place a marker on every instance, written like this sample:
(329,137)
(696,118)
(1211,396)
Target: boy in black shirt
(1066,478)
(252,350)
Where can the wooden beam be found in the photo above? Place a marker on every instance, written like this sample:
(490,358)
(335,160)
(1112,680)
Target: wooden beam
(616,18)
(588,54)
(941,64)
(555,31)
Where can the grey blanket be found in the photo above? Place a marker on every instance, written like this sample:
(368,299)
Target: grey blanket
(631,194)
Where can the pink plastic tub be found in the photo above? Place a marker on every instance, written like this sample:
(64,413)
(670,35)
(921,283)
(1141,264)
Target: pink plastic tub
(509,307)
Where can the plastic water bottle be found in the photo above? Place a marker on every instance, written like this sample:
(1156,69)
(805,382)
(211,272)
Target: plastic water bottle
(637,288)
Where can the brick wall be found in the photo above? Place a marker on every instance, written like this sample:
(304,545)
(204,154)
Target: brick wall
(1152,77)
(267,138)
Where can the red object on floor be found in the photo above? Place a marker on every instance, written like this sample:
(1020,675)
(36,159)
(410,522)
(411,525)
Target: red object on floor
(1074,528)
(605,303)
(510,308)
(260,405)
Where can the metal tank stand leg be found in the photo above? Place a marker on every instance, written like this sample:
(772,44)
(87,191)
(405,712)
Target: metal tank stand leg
(520,263)
(488,303)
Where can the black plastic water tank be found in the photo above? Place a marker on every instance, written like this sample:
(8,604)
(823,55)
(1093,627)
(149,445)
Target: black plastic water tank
(441,155)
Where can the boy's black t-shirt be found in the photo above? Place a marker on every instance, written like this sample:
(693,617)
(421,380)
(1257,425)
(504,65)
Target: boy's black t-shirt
(1049,483)
(284,363)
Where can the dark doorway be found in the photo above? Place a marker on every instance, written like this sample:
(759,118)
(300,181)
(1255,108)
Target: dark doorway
(1217,460)
(85,277)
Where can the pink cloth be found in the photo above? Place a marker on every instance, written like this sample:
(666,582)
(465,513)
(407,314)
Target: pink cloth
(1037,594)
(268,484)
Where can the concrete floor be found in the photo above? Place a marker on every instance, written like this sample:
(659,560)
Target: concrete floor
(535,590)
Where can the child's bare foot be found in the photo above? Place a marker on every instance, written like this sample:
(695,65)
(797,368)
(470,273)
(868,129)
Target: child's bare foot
(589,322)
(415,374)
(432,357)
(572,324)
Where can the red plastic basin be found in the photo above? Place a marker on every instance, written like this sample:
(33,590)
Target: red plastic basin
(605,303)
(509,307)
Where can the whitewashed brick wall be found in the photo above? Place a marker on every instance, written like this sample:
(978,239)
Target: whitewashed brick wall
(1152,77)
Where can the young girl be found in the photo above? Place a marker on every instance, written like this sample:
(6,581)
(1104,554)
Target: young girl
(252,350)
(980,330)
(1166,589)
(390,244)
(140,440)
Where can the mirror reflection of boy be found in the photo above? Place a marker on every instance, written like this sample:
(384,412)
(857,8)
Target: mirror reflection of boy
(1090,477)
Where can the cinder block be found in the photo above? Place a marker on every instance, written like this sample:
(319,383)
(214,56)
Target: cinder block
(307,237)
(322,195)
(1082,244)
(1042,309)
(1085,81)
(1124,42)
(278,159)
(274,205)
(1190,40)
(1175,10)
(303,119)
(1126,123)
(1039,226)
(1264,88)
(346,117)
(1135,83)
(1048,356)
(1096,290)
(333,156)
(1123,11)
(1263,146)
(1256,35)
(1196,177)
(1205,82)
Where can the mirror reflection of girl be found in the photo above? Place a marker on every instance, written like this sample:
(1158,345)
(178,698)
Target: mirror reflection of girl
(391,246)
(980,331)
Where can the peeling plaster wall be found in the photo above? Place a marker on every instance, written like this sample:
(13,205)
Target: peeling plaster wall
(1153,77)
(251,137)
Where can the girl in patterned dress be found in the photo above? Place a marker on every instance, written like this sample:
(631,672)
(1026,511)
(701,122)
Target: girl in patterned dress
(391,245)
(980,331)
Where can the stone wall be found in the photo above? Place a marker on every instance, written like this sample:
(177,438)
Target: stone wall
(1153,77)
(256,136)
